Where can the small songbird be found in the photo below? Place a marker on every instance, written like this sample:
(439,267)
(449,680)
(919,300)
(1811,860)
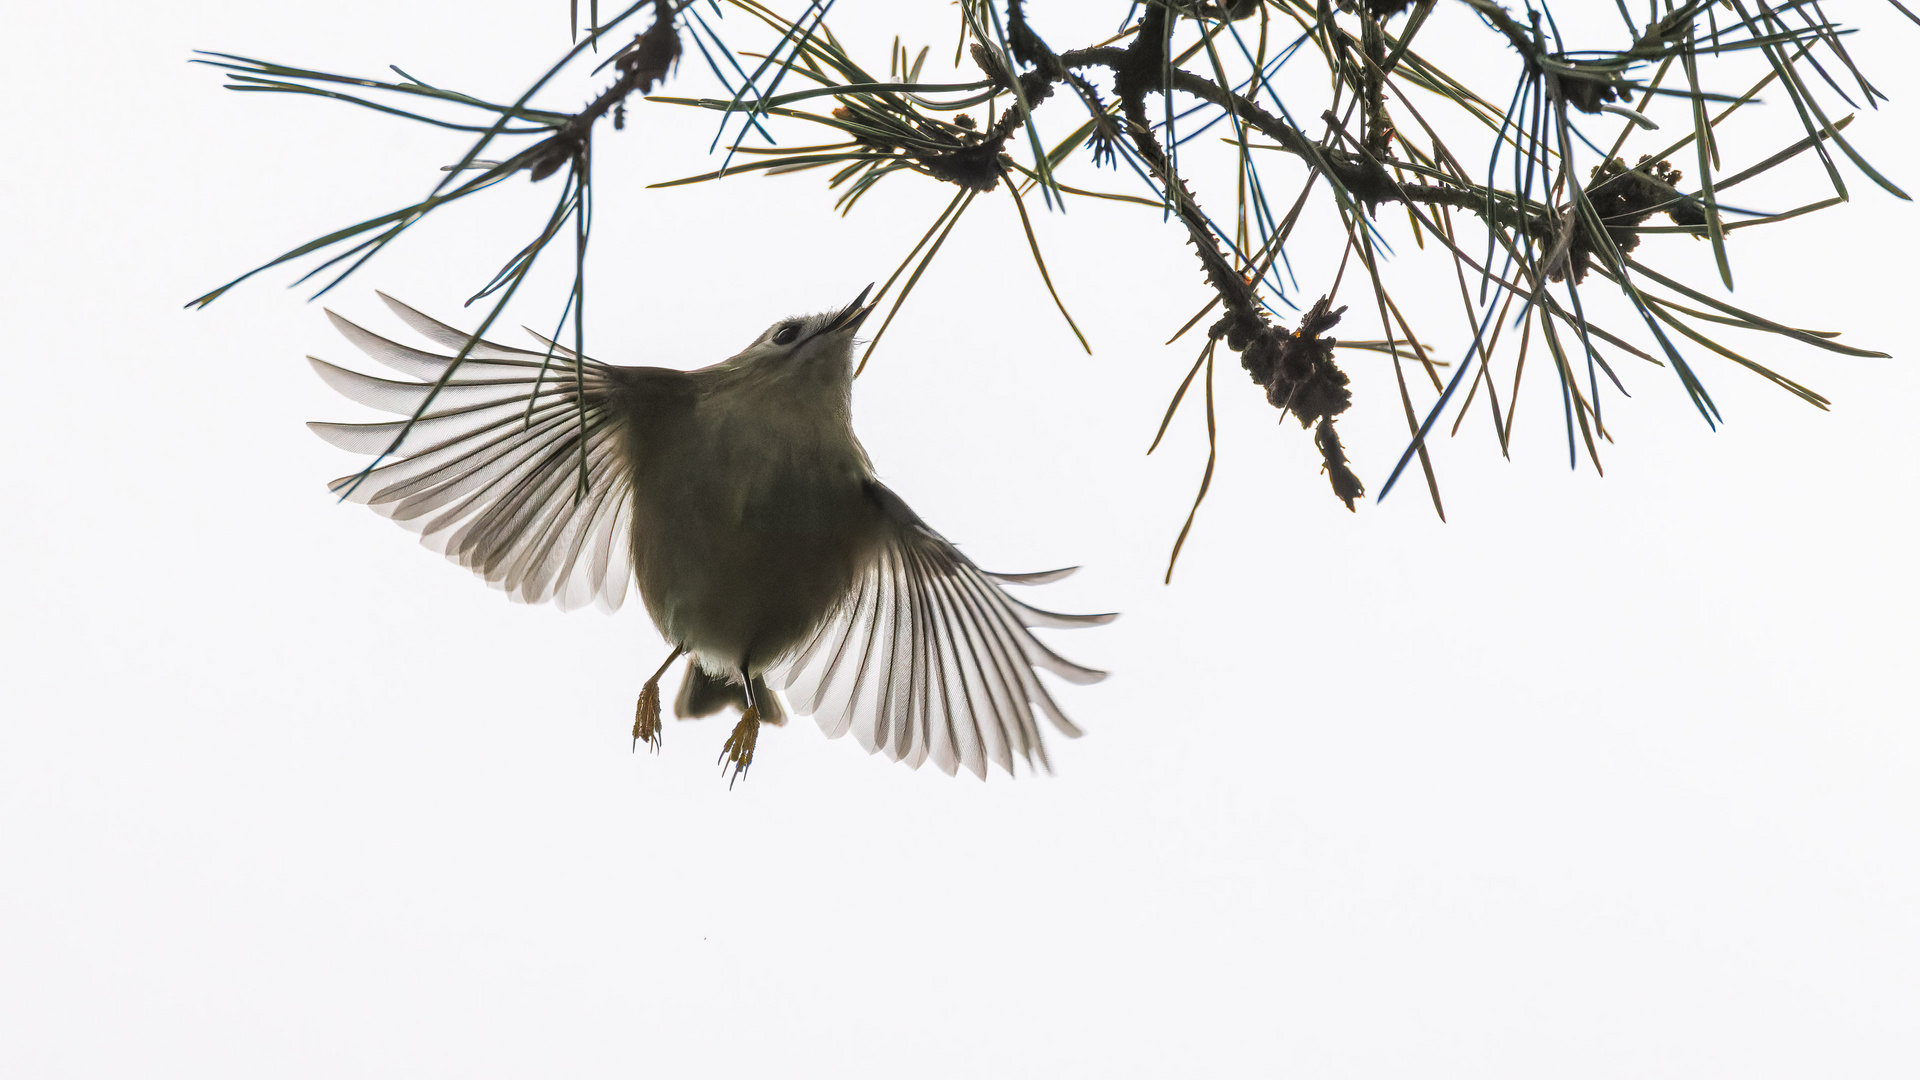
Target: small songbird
(739,500)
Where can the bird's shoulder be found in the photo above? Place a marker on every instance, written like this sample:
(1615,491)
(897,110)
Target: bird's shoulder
(891,506)
(655,379)
(652,391)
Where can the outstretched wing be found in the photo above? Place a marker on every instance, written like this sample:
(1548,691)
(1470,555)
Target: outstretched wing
(927,657)
(490,474)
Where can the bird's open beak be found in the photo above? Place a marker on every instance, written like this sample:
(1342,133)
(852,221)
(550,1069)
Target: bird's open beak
(853,314)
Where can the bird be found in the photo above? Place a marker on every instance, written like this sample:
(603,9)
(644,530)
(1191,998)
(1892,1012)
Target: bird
(738,500)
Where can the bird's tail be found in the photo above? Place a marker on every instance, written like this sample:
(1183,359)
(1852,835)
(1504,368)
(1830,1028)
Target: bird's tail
(702,694)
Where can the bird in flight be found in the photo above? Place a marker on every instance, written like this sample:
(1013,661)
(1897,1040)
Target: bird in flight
(739,501)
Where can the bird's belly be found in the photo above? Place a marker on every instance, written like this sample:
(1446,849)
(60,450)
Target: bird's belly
(740,581)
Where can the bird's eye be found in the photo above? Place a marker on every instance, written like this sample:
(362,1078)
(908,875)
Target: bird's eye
(787,334)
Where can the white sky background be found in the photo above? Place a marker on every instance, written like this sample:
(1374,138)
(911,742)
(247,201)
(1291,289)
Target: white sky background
(1605,777)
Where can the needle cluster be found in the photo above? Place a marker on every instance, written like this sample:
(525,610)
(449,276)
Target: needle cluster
(1331,111)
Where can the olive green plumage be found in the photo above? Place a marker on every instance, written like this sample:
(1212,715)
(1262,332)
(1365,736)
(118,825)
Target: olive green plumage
(739,500)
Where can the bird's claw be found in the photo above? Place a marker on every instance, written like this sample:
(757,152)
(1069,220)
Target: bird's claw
(646,717)
(738,750)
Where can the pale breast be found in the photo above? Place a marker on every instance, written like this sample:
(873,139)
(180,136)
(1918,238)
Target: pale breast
(751,522)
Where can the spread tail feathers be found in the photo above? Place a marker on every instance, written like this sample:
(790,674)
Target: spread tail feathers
(702,694)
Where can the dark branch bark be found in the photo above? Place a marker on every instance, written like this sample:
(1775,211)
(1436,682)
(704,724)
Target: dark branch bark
(641,64)
(1296,369)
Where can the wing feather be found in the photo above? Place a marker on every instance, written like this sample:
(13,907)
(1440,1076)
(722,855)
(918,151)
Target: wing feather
(448,337)
(993,740)
(927,658)
(1043,577)
(491,474)
(421,364)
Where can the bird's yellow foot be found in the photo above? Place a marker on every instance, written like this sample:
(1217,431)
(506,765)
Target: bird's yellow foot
(646,716)
(738,752)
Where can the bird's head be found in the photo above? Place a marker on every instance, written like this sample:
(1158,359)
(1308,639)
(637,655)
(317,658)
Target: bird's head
(806,342)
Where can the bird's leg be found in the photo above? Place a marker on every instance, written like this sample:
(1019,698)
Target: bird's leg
(646,714)
(738,750)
